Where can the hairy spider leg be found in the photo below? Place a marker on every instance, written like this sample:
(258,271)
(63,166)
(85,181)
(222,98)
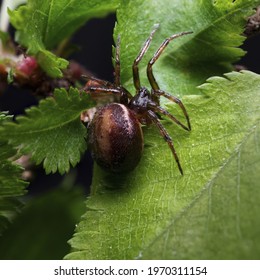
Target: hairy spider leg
(143,50)
(157,54)
(159,109)
(166,137)
(177,101)
(117,63)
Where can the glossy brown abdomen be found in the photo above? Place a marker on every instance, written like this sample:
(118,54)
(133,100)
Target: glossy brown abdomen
(116,138)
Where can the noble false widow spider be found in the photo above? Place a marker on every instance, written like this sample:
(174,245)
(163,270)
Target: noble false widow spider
(115,136)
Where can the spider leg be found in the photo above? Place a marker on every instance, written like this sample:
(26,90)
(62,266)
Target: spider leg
(177,101)
(143,50)
(120,92)
(117,62)
(100,90)
(159,109)
(157,54)
(166,137)
(93,81)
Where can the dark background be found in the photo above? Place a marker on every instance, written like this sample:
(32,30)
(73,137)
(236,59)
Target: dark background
(96,57)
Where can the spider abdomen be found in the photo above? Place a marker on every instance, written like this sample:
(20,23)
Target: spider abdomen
(115,138)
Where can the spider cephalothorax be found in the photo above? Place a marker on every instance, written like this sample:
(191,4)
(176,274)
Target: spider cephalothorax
(115,134)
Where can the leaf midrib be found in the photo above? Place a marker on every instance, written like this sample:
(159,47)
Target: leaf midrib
(62,124)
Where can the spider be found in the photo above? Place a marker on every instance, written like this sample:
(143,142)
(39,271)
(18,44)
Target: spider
(115,135)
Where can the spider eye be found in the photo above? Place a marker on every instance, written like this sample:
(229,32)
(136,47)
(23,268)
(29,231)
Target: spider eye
(144,92)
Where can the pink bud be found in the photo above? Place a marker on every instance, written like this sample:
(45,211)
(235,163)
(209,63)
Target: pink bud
(27,66)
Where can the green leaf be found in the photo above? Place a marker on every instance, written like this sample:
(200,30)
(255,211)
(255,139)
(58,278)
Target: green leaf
(51,63)
(223,222)
(11,184)
(52,132)
(188,61)
(47,221)
(42,25)
(130,215)
(136,215)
